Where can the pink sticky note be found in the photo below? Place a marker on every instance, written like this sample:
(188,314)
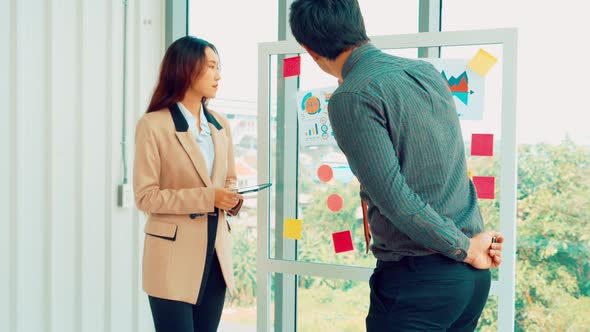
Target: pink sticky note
(335,202)
(342,241)
(482,144)
(485,186)
(291,66)
(325,173)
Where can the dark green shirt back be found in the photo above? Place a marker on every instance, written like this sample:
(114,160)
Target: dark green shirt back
(396,122)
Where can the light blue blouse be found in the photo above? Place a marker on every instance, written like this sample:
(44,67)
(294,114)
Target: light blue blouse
(204,139)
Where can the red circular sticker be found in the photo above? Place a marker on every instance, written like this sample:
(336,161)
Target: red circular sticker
(325,173)
(335,202)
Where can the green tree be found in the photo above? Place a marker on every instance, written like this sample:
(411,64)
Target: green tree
(244,251)
(553,271)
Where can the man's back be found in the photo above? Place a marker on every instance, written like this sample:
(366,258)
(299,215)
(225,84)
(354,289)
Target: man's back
(410,101)
(395,121)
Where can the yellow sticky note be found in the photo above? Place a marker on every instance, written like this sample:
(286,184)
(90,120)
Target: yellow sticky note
(482,62)
(469,174)
(292,229)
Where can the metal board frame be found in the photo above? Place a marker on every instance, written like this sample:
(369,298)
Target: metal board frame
(504,287)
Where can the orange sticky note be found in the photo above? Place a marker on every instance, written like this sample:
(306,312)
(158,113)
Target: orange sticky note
(482,62)
(342,241)
(292,66)
(292,229)
(482,144)
(485,186)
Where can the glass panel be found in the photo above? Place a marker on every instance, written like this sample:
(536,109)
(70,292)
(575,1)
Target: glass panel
(331,304)
(389,17)
(239,313)
(236,37)
(237,100)
(544,115)
(552,267)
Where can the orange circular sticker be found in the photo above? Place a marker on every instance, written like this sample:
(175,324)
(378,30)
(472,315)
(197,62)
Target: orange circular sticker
(335,202)
(325,173)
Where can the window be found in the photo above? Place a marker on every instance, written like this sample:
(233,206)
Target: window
(232,28)
(552,267)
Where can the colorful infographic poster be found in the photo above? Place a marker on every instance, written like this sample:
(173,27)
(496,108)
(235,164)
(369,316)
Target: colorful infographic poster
(467,87)
(312,112)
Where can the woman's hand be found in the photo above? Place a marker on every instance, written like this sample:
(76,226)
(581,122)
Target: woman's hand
(226,199)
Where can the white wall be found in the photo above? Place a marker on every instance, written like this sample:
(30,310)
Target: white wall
(69,257)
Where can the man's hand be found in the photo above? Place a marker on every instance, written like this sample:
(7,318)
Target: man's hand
(226,199)
(482,253)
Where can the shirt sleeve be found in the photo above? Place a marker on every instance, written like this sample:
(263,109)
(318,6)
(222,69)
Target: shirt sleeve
(359,127)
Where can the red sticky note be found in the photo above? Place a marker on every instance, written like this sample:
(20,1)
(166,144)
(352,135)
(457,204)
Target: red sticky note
(342,241)
(335,202)
(291,66)
(485,186)
(482,144)
(325,173)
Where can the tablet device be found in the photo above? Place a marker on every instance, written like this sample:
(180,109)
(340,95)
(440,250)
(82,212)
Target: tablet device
(252,189)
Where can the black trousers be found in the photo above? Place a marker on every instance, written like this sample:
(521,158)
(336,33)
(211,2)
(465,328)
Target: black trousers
(176,316)
(429,293)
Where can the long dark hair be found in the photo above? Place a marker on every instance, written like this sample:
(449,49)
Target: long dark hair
(184,61)
(328,27)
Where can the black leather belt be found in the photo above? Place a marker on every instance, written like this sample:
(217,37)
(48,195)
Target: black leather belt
(210,214)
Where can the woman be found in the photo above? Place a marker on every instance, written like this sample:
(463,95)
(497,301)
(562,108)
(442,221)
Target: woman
(184,179)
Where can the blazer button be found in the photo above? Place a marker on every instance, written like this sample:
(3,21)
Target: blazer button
(193,215)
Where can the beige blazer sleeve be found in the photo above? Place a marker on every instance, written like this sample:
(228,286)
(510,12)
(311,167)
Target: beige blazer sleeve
(231,181)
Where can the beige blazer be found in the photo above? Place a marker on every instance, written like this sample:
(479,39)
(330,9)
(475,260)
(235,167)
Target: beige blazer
(172,185)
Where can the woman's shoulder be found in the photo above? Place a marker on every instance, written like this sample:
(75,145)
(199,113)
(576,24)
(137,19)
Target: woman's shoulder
(155,119)
(157,115)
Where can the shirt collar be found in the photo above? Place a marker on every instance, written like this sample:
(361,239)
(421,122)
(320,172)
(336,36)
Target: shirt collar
(356,55)
(192,120)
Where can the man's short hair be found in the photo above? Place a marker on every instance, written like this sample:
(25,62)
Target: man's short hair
(328,27)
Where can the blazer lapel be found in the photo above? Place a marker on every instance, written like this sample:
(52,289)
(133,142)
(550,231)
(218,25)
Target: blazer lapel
(220,153)
(219,144)
(189,143)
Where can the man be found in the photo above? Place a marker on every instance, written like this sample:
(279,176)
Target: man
(396,122)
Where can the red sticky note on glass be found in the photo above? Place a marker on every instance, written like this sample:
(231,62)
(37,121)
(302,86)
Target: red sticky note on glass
(325,173)
(291,66)
(342,241)
(335,202)
(482,144)
(485,186)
